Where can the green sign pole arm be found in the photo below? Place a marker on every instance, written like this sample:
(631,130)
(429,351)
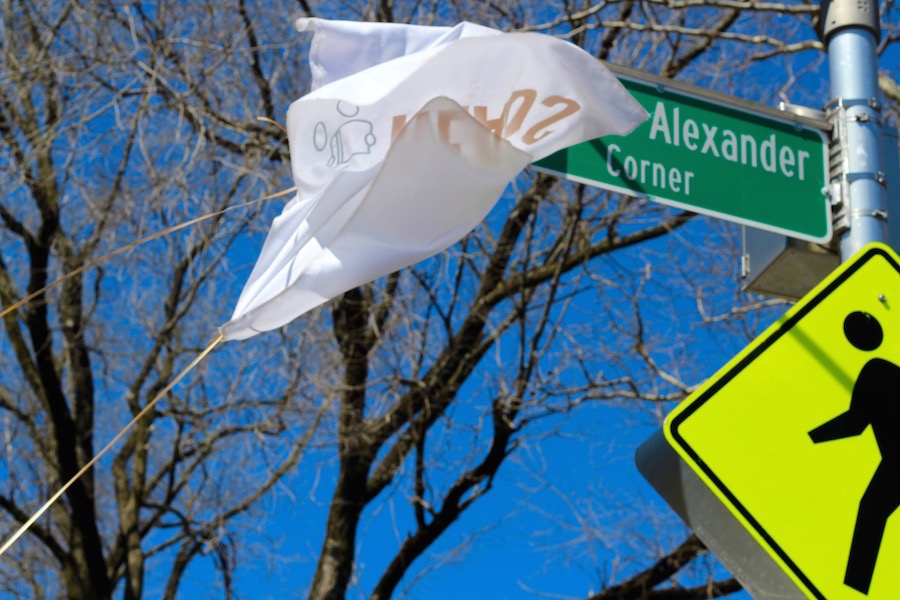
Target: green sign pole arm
(851,30)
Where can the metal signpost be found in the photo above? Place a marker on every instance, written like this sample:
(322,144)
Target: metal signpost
(851,30)
(712,154)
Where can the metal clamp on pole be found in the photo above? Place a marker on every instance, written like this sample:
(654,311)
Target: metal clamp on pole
(840,170)
(851,31)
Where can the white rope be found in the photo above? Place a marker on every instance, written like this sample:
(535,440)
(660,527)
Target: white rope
(137,243)
(112,442)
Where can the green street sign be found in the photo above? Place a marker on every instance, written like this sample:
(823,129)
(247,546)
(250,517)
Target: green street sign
(711,154)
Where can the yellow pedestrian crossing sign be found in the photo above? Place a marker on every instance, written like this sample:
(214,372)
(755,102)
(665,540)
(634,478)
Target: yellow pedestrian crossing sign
(799,434)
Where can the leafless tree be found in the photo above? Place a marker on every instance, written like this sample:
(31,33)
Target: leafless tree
(111,128)
(119,119)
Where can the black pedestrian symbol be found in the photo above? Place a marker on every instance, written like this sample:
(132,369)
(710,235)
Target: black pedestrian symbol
(872,402)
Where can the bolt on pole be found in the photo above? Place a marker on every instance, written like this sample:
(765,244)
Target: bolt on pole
(851,31)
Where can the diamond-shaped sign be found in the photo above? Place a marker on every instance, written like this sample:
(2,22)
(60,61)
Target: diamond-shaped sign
(799,435)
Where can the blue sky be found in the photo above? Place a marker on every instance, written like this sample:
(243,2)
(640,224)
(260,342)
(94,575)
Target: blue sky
(569,514)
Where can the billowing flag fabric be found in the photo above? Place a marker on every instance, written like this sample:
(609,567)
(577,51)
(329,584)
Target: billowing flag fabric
(342,48)
(406,142)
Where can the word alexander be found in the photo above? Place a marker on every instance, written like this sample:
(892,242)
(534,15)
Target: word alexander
(765,154)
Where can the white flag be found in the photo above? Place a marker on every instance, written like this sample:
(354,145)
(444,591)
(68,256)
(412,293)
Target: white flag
(406,142)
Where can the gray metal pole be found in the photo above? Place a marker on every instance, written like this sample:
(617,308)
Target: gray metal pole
(851,30)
